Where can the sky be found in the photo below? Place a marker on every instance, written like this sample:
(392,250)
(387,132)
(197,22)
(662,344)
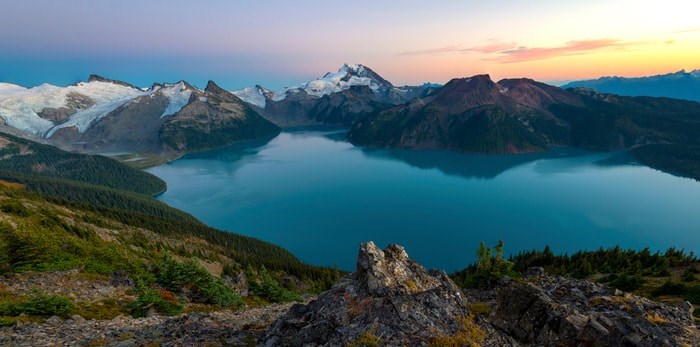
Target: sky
(278,43)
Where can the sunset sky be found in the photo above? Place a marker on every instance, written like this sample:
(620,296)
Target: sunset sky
(281,43)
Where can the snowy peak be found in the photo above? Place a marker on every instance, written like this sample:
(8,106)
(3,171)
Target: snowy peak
(254,95)
(98,78)
(178,95)
(347,76)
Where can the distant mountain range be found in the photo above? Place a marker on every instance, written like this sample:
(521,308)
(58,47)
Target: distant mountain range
(679,85)
(103,115)
(473,114)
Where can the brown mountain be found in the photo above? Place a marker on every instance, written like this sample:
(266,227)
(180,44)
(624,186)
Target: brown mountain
(521,115)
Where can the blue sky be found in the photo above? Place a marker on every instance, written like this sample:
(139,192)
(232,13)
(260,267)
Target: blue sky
(281,43)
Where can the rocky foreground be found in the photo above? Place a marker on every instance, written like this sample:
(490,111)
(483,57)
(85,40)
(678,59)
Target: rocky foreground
(391,300)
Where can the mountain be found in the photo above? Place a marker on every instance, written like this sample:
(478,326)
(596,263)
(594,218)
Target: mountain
(470,114)
(213,118)
(103,115)
(521,115)
(678,85)
(336,98)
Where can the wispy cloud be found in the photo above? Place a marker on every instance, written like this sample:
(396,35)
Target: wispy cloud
(510,52)
(522,54)
(441,50)
(687,30)
(490,46)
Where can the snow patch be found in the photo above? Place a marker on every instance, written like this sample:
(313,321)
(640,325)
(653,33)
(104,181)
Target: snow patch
(179,96)
(251,95)
(20,107)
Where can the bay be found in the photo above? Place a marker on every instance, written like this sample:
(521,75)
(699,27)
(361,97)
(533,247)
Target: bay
(313,193)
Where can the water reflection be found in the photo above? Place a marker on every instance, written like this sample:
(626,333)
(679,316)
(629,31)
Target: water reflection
(472,166)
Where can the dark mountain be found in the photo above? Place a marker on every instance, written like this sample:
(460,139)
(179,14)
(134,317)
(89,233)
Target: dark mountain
(679,85)
(521,115)
(471,114)
(476,114)
(213,118)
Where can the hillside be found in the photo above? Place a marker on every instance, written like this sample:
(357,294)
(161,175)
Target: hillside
(70,227)
(678,85)
(20,156)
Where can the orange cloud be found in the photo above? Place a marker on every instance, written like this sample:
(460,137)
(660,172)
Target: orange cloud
(493,46)
(446,49)
(522,54)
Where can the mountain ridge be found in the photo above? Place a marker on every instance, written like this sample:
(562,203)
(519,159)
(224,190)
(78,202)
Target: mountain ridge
(680,85)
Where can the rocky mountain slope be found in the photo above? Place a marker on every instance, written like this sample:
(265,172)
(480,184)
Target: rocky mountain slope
(336,98)
(678,85)
(103,115)
(478,115)
(391,300)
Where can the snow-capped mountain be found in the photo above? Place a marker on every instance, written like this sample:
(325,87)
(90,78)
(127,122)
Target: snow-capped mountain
(679,85)
(328,99)
(348,76)
(103,115)
(45,109)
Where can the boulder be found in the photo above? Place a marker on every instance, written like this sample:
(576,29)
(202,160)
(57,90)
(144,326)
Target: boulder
(389,296)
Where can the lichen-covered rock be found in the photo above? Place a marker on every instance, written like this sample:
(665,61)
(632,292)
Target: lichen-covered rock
(390,296)
(566,312)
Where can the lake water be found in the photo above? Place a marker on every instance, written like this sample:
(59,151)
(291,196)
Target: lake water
(313,193)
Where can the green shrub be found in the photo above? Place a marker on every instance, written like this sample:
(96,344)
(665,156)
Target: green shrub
(39,305)
(6,322)
(199,285)
(262,284)
(15,207)
(490,266)
(692,294)
(669,288)
(627,283)
(161,300)
(689,274)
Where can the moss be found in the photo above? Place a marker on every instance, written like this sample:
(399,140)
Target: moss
(480,309)
(102,309)
(469,334)
(656,319)
(367,339)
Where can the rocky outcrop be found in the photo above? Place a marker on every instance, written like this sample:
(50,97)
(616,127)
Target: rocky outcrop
(394,299)
(566,312)
(389,296)
(213,118)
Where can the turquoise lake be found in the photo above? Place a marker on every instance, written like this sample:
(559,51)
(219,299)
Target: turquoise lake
(315,194)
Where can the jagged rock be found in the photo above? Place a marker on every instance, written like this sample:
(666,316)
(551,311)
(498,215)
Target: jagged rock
(567,312)
(390,296)
(534,272)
